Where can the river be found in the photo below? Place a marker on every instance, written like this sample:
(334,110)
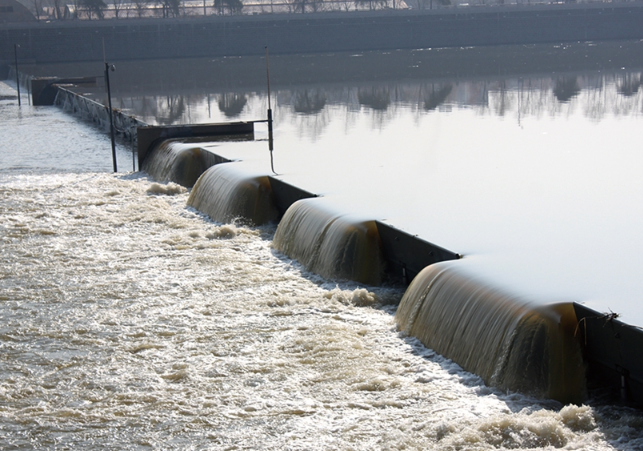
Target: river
(131,321)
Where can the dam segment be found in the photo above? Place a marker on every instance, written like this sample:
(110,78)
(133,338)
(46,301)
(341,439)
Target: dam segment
(527,176)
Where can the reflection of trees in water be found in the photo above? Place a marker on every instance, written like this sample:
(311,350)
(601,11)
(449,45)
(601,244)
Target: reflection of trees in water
(505,98)
(232,104)
(164,110)
(170,109)
(596,94)
(376,98)
(312,125)
(436,96)
(566,88)
(309,102)
(629,84)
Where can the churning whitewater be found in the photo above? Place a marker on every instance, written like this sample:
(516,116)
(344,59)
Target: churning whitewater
(131,321)
(128,320)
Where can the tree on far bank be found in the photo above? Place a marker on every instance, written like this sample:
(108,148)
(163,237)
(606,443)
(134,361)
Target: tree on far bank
(301,6)
(141,6)
(95,7)
(170,7)
(372,4)
(118,7)
(232,6)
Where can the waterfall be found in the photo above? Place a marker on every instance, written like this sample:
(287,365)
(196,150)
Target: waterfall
(510,342)
(178,161)
(329,244)
(225,193)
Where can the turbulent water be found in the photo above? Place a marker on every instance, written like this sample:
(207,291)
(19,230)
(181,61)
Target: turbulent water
(131,321)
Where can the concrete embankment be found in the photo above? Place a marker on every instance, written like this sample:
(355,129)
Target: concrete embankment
(323,32)
(93,111)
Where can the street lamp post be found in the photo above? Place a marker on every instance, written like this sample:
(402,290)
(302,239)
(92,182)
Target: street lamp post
(270,138)
(111,67)
(15,54)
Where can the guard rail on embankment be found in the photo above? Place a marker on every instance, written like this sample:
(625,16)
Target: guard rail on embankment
(133,39)
(90,110)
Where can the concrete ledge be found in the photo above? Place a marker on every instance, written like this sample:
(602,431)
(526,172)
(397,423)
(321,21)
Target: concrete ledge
(148,136)
(287,194)
(406,255)
(45,89)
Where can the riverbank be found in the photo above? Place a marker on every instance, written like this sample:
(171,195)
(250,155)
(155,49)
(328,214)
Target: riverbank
(307,33)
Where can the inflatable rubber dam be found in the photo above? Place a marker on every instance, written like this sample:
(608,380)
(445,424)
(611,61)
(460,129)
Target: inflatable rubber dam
(514,341)
(520,254)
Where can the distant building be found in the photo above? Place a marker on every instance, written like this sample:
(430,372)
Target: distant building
(11,11)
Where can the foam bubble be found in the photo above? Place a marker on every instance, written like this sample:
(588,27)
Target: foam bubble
(170,189)
(226,231)
(578,418)
(359,297)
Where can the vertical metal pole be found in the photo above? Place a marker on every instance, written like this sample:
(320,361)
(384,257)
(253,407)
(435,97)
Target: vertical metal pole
(111,116)
(270,137)
(15,54)
(131,137)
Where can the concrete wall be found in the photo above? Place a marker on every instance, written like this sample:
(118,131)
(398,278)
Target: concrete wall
(125,125)
(310,33)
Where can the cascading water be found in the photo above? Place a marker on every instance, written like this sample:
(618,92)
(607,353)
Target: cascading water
(510,342)
(224,193)
(330,244)
(179,161)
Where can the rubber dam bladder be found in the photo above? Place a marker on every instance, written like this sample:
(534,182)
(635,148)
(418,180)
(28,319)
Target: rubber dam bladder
(512,343)
(226,194)
(179,161)
(330,244)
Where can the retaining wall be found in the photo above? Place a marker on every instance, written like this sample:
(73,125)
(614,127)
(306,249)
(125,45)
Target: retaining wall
(90,110)
(323,32)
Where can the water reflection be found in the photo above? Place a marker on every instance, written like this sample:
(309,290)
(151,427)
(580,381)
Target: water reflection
(566,89)
(171,109)
(232,104)
(593,95)
(629,85)
(376,98)
(437,96)
(309,101)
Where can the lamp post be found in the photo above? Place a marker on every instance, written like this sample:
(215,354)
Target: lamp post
(111,67)
(15,54)
(270,137)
